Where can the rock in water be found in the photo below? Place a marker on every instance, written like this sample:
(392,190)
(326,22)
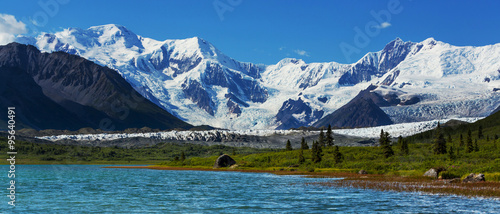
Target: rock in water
(473,178)
(224,161)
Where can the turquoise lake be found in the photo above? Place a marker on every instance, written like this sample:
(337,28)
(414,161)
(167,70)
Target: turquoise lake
(93,189)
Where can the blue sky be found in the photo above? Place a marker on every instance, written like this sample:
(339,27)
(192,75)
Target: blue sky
(266,31)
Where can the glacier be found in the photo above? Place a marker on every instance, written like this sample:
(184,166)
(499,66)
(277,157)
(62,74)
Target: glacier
(395,130)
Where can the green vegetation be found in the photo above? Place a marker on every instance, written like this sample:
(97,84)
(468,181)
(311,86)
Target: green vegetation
(406,159)
(419,159)
(411,156)
(33,153)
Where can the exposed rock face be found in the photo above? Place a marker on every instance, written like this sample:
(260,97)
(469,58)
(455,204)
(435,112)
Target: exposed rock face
(196,93)
(233,108)
(296,107)
(395,52)
(224,161)
(362,172)
(360,72)
(473,178)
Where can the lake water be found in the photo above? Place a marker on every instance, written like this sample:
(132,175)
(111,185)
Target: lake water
(92,189)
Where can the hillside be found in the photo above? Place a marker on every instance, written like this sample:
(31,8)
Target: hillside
(63,91)
(490,128)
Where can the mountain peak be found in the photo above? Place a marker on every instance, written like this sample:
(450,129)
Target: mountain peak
(396,43)
(432,42)
(109,28)
(397,40)
(429,40)
(291,60)
(112,33)
(198,41)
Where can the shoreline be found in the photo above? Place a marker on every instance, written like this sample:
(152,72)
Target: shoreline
(488,189)
(156,167)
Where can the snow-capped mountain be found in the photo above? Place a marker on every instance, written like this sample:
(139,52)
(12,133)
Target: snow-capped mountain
(198,83)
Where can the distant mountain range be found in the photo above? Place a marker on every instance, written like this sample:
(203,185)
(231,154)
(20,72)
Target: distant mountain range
(194,81)
(63,91)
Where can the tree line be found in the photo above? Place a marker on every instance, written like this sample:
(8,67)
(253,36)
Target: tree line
(440,145)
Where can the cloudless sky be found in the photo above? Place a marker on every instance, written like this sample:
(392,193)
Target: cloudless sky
(266,31)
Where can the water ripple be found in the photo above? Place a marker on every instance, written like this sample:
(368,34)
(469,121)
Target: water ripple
(92,189)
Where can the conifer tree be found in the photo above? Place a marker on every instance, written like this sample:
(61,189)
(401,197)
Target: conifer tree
(400,143)
(183,157)
(461,141)
(314,147)
(476,147)
(301,156)
(449,142)
(385,144)
(439,142)
(337,156)
(469,147)
(316,152)
(288,146)
(319,152)
(480,132)
(403,145)
(321,138)
(451,154)
(329,136)
(303,144)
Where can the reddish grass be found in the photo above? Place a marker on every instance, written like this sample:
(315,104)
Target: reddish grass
(420,184)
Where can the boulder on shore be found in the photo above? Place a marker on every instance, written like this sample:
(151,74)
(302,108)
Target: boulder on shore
(434,172)
(224,161)
(431,173)
(473,178)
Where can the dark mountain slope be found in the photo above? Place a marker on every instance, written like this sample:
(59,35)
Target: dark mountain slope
(361,111)
(63,91)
